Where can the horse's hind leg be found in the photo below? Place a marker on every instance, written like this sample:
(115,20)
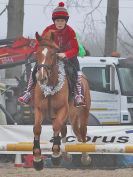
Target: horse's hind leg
(66,156)
(64,133)
(85,159)
(75,126)
(83,123)
(37,160)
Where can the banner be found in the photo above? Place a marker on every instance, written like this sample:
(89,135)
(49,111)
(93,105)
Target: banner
(99,135)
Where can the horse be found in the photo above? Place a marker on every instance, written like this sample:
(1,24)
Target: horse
(51,95)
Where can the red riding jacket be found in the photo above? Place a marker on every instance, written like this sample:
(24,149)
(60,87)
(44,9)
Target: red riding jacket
(65,39)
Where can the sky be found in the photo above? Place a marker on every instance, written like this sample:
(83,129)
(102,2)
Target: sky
(37,16)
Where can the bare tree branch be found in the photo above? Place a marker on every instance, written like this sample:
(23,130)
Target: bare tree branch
(126,29)
(47,5)
(3,11)
(124,47)
(130,45)
(90,14)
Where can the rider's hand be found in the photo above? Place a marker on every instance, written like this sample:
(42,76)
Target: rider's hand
(61,55)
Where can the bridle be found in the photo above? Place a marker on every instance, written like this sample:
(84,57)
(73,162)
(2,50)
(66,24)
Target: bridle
(49,67)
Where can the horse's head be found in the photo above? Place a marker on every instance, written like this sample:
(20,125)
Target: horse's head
(46,56)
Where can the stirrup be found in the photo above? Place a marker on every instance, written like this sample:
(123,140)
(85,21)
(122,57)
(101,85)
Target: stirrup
(80,104)
(79,101)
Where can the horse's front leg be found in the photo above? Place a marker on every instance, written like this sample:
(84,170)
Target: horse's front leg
(37,160)
(58,123)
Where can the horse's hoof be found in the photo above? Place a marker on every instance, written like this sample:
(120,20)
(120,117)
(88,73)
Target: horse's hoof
(56,160)
(67,157)
(86,160)
(38,165)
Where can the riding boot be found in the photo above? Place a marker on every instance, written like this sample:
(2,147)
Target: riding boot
(28,94)
(79,97)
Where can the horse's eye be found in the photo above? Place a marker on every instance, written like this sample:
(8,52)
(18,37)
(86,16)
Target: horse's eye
(45,51)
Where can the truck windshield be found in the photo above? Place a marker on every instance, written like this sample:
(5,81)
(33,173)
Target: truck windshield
(126,80)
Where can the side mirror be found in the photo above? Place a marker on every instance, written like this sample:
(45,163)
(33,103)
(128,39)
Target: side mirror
(110,79)
(107,75)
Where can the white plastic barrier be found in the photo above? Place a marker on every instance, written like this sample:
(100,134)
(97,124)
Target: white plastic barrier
(100,139)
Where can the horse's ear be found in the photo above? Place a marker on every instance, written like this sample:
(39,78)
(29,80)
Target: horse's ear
(38,37)
(52,36)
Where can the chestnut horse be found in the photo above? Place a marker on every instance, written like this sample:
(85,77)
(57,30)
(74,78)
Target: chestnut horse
(51,96)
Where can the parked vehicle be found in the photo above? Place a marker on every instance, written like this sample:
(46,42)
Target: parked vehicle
(111,84)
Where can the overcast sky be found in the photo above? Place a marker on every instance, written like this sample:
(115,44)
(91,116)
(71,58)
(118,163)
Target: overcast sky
(37,16)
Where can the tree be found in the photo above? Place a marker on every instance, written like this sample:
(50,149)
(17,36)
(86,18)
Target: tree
(111,27)
(15,29)
(15,18)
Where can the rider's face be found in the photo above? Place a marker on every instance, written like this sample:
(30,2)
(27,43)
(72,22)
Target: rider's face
(60,23)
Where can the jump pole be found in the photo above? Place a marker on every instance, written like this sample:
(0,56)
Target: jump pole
(106,148)
(92,148)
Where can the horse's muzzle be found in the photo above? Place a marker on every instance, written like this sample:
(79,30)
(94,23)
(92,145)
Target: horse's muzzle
(41,80)
(44,80)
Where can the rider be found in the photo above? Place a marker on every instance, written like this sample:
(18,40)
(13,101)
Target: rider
(65,38)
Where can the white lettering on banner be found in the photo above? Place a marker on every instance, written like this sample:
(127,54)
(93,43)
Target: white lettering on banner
(6,60)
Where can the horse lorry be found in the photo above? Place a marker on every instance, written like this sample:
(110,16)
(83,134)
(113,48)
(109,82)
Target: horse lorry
(111,87)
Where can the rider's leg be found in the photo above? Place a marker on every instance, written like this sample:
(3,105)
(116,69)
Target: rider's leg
(79,97)
(29,92)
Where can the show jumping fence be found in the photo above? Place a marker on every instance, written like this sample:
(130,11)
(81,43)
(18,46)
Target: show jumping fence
(72,148)
(17,139)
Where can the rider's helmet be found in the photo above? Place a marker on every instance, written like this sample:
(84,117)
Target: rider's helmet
(60,12)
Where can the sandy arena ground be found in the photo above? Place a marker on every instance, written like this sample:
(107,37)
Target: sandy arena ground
(9,170)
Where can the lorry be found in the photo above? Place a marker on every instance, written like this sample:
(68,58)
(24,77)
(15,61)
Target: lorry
(111,87)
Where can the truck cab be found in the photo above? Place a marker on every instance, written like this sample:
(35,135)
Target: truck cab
(111,88)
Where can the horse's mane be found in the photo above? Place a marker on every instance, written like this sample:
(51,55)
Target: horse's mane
(49,34)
